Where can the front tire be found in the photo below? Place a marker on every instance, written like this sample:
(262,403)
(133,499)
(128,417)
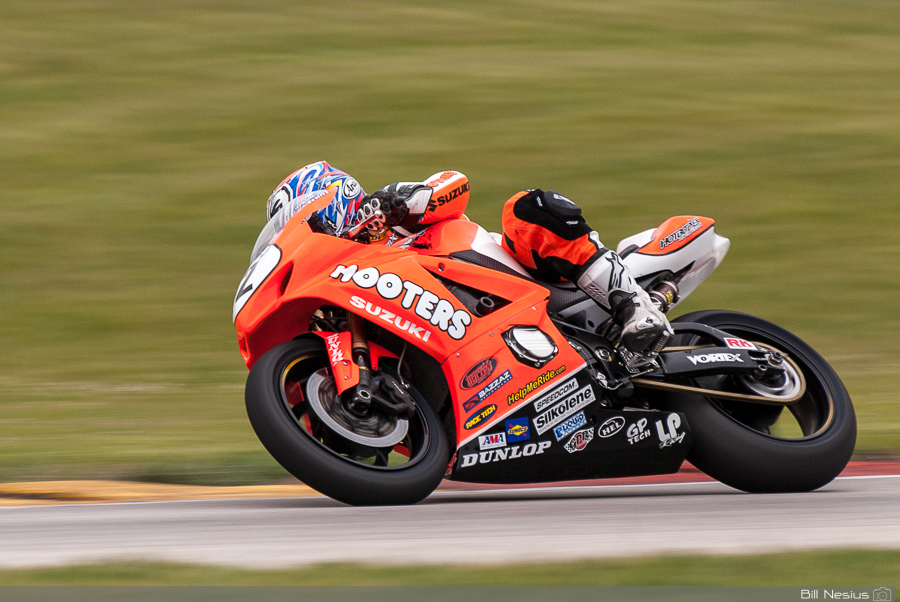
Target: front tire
(313,450)
(735,443)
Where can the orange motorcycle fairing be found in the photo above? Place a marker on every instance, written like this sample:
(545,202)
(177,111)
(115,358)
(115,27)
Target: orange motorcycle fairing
(345,370)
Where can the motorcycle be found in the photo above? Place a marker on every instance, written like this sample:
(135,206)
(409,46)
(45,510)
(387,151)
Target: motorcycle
(376,371)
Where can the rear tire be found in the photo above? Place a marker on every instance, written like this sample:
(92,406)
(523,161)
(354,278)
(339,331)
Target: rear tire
(731,439)
(307,448)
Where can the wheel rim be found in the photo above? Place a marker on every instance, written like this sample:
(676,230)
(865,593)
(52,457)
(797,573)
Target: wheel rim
(805,419)
(379,442)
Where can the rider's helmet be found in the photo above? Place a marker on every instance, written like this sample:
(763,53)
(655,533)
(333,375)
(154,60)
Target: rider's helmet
(298,189)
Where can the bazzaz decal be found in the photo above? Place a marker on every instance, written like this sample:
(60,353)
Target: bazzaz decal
(554,395)
(517,430)
(673,421)
(493,386)
(681,233)
(579,440)
(637,431)
(507,453)
(333,343)
(563,410)
(478,373)
(715,358)
(568,426)
(440,312)
(739,343)
(391,318)
(537,383)
(492,441)
(611,427)
(480,417)
(471,404)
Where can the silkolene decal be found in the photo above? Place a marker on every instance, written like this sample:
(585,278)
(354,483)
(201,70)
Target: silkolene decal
(426,304)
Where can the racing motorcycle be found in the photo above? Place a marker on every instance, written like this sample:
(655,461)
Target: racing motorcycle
(376,371)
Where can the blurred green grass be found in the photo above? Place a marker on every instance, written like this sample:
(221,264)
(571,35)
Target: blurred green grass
(845,568)
(138,143)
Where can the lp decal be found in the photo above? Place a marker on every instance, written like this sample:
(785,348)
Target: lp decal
(670,436)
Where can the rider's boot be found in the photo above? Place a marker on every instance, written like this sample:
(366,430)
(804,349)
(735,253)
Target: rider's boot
(645,328)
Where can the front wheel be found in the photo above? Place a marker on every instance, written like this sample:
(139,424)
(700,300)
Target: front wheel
(764,448)
(375,459)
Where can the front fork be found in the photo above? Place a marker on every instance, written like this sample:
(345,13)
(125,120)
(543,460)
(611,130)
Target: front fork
(360,354)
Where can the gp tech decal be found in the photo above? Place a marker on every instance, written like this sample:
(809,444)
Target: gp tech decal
(537,383)
(391,318)
(563,410)
(480,417)
(427,305)
(554,395)
(506,453)
(637,431)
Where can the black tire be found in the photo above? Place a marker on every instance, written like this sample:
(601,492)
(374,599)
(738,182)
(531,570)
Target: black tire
(322,460)
(732,442)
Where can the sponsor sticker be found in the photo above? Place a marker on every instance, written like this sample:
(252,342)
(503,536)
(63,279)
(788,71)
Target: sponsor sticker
(517,430)
(478,373)
(425,304)
(611,427)
(681,233)
(471,404)
(505,453)
(537,383)
(333,343)
(556,394)
(739,343)
(670,436)
(715,358)
(492,441)
(493,386)
(579,440)
(563,409)
(567,427)
(637,431)
(480,417)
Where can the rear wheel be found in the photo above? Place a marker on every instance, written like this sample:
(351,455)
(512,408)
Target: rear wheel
(373,459)
(769,448)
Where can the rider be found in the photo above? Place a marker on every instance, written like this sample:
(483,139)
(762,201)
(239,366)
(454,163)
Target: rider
(544,230)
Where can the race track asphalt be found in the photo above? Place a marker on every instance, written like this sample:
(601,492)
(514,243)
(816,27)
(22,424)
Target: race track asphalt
(461,527)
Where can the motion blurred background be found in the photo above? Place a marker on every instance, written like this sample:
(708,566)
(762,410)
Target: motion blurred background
(139,142)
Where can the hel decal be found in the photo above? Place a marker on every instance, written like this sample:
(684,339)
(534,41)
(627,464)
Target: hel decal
(568,426)
(562,410)
(611,427)
(403,324)
(739,343)
(507,453)
(537,383)
(427,305)
(715,358)
(478,373)
(681,233)
(480,417)
(637,431)
(492,441)
(517,430)
(579,440)
(672,436)
(554,395)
